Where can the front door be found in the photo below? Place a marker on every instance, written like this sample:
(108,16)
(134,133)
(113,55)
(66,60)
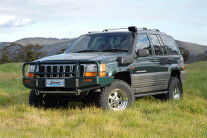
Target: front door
(143,77)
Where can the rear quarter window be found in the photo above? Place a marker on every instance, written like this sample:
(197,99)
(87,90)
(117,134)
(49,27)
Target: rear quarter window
(170,45)
(156,44)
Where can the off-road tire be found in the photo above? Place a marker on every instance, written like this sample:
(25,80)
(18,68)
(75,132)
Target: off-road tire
(173,82)
(117,84)
(92,99)
(35,100)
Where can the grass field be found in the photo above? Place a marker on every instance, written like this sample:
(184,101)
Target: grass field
(148,117)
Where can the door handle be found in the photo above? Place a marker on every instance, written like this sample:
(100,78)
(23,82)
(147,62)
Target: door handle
(153,60)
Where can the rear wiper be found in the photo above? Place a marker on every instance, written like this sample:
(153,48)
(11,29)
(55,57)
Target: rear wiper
(114,50)
(88,51)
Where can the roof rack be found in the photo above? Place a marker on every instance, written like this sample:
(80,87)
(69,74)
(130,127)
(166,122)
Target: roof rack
(93,32)
(106,30)
(157,30)
(143,28)
(130,28)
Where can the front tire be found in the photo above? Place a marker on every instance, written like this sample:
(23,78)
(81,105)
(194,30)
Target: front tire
(35,100)
(117,97)
(91,99)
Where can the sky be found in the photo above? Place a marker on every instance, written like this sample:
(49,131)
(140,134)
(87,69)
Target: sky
(185,20)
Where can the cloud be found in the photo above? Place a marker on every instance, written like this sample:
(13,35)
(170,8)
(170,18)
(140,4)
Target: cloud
(13,21)
(52,17)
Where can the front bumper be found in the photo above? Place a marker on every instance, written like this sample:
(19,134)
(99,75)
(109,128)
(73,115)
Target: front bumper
(70,83)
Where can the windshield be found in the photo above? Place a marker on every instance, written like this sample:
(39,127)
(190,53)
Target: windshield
(105,42)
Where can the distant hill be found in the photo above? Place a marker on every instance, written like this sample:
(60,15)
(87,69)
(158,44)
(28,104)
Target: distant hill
(197,52)
(56,48)
(194,49)
(39,40)
(52,46)
(3,44)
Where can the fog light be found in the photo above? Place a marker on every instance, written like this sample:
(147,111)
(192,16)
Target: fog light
(27,81)
(88,80)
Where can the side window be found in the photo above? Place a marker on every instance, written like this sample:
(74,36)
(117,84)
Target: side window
(156,45)
(143,43)
(170,45)
(162,45)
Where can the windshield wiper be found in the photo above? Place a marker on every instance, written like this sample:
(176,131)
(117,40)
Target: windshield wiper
(87,51)
(105,50)
(114,50)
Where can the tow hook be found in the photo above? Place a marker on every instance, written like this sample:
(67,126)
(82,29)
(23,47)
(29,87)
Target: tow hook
(78,92)
(37,92)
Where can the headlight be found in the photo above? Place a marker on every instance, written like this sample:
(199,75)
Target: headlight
(91,68)
(31,68)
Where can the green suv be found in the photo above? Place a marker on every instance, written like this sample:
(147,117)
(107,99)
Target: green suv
(109,69)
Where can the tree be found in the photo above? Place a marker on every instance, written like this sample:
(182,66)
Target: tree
(30,55)
(61,51)
(30,52)
(185,53)
(5,58)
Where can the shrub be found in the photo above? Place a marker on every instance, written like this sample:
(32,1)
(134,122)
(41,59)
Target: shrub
(5,58)
(185,53)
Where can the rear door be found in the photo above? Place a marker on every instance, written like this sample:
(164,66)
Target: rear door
(172,50)
(162,72)
(143,74)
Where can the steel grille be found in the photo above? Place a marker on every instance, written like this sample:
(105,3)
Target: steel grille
(58,70)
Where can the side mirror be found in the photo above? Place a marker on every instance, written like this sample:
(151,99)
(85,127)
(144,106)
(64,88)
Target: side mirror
(143,53)
(126,60)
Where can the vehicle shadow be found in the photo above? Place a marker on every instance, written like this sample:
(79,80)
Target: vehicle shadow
(70,105)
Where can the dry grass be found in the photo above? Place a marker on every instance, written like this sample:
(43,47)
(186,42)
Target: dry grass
(148,117)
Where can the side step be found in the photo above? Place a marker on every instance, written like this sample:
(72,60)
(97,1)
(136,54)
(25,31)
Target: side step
(149,94)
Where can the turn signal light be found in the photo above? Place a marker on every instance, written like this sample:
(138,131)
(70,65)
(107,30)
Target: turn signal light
(30,75)
(90,74)
(102,72)
(183,65)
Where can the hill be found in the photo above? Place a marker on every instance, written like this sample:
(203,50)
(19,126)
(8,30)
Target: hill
(197,52)
(52,46)
(39,40)
(3,44)
(56,48)
(148,117)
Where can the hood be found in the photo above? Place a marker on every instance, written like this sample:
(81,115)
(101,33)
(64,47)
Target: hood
(95,56)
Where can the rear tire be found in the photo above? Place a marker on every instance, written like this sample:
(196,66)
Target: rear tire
(175,90)
(117,97)
(35,100)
